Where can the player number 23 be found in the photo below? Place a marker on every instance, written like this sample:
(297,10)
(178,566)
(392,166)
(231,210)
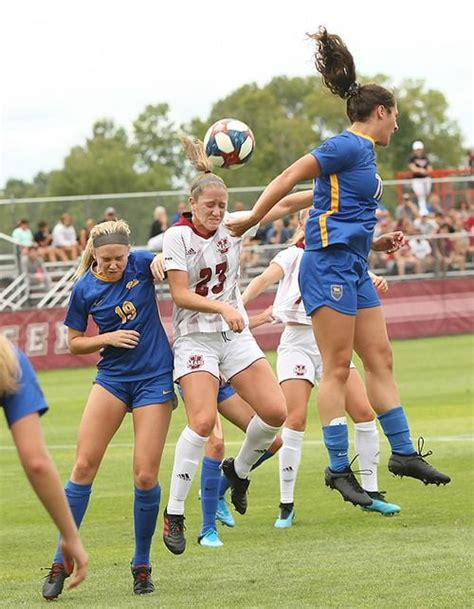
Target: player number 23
(127,311)
(206,276)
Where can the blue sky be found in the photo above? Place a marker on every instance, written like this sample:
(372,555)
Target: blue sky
(65,64)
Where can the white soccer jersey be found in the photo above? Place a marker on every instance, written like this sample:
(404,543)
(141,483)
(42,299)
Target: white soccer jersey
(288,305)
(213,267)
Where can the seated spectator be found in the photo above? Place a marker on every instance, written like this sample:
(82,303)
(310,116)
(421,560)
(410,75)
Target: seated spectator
(449,253)
(425,225)
(35,270)
(406,208)
(434,204)
(420,248)
(278,233)
(249,256)
(65,239)
(109,214)
(469,228)
(85,232)
(44,239)
(23,235)
(421,169)
(181,208)
(157,229)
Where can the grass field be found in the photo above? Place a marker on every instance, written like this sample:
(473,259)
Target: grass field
(334,556)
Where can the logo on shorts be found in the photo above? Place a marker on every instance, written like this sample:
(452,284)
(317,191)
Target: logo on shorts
(337,291)
(195,361)
(300,369)
(223,245)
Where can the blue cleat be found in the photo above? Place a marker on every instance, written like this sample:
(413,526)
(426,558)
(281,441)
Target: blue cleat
(210,539)
(287,515)
(223,513)
(380,504)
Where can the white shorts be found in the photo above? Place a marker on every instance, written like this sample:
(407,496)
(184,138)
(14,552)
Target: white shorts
(219,353)
(299,356)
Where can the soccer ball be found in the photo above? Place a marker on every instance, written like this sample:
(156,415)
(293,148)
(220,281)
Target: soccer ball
(229,143)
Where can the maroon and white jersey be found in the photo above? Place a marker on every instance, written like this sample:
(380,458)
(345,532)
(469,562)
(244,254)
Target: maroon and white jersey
(213,267)
(288,304)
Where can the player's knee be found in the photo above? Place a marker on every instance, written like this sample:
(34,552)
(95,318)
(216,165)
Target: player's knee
(203,424)
(379,358)
(145,479)
(296,421)
(37,466)
(363,414)
(85,469)
(276,444)
(215,448)
(277,416)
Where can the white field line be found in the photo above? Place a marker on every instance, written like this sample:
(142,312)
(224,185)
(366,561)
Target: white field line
(461,438)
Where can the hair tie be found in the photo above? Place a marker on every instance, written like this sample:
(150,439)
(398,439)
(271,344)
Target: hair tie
(207,171)
(111,239)
(353,90)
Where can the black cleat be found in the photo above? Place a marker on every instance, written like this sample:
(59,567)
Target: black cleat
(415,466)
(54,581)
(238,486)
(347,484)
(173,532)
(142,582)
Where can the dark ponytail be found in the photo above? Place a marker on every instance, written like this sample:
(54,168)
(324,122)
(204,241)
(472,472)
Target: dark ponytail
(335,63)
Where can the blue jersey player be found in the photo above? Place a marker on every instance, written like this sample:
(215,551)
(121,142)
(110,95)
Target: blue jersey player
(116,289)
(23,403)
(335,285)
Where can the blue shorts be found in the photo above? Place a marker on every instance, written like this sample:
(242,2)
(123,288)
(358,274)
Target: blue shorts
(152,390)
(335,277)
(226,391)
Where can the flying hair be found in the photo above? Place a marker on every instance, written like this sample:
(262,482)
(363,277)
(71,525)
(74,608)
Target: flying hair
(9,367)
(113,227)
(335,63)
(196,154)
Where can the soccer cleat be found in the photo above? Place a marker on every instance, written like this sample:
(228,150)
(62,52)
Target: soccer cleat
(380,504)
(210,539)
(287,515)
(223,514)
(54,581)
(238,486)
(173,532)
(415,466)
(347,484)
(142,582)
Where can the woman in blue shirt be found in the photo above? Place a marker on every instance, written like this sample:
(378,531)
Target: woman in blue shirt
(23,403)
(116,288)
(335,285)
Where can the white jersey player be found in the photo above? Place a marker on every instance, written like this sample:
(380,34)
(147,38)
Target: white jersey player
(211,338)
(299,367)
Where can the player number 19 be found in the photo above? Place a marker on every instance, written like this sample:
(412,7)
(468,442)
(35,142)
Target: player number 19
(127,311)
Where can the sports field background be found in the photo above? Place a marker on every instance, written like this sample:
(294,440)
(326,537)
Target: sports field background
(334,556)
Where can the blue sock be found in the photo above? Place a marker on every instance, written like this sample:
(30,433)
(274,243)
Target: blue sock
(224,485)
(336,440)
(145,512)
(78,498)
(210,487)
(395,426)
(266,455)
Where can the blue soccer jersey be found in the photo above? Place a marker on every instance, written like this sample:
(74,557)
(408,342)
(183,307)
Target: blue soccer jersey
(346,194)
(126,304)
(28,398)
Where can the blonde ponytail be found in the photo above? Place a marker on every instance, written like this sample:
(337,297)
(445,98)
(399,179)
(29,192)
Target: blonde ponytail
(9,368)
(196,154)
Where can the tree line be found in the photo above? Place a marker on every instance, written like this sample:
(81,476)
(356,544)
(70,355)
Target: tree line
(289,117)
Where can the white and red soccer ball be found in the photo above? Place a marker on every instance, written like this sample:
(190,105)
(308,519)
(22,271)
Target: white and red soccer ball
(229,143)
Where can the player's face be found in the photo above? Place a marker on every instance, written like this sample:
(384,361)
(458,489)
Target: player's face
(209,208)
(111,260)
(387,125)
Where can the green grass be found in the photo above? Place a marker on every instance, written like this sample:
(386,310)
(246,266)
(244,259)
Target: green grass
(334,556)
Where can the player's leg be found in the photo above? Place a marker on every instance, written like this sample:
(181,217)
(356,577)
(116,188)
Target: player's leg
(200,399)
(210,482)
(366,443)
(150,423)
(103,414)
(372,344)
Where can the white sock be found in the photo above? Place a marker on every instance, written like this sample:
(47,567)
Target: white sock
(367,447)
(258,438)
(289,457)
(187,455)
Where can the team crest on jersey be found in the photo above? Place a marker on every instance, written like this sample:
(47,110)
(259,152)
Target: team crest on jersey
(300,369)
(337,291)
(195,362)
(131,284)
(223,245)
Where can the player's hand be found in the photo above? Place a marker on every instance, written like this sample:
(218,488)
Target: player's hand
(390,242)
(157,267)
(233,318)
(380,283)
(238,226)
(75,557)
(125,339)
